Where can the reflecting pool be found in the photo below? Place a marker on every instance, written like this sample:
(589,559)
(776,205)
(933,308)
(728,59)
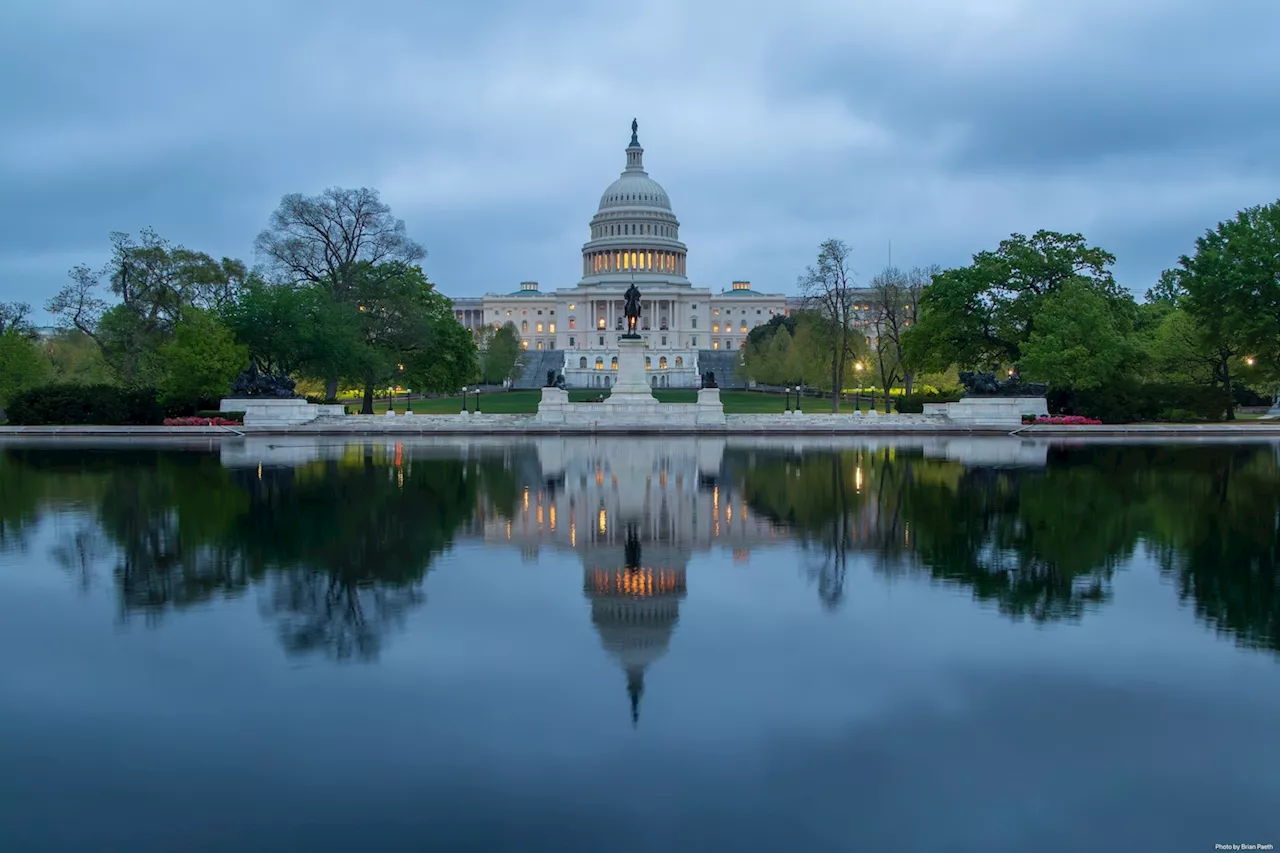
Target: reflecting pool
(568,644)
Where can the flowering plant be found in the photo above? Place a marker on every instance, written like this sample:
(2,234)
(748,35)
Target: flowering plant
(200,422)
(1068,420)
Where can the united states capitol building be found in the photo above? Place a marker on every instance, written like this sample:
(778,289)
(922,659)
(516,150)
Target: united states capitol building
(634,237)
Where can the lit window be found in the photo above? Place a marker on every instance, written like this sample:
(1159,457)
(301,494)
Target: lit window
(524,325)
(715,327)
(552,328)
(662,363)
(570,306)
(599,364)
(524,345)
(715,311)
(600,324)
(572,324)
(648,363)
(539,328)
(679,361)
(715,345)
(613,363)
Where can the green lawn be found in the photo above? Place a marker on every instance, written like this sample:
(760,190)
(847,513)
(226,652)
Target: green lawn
(526,402)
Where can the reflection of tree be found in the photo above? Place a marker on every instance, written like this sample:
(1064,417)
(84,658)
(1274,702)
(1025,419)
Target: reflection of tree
(348,543)
(341,546)
(1045,543)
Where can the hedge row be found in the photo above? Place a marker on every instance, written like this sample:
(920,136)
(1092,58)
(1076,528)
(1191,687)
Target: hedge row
(913,404)
(1131,402)
(76,405)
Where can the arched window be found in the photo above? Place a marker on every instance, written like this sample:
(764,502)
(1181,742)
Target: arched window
(582,363)
(539,328)
(679,361)
(662,362)
(613,363)
(571,323)
(524,325)
(599,363)
(648,363)
(715,328)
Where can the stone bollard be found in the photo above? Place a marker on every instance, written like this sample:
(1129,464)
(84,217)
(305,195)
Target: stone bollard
(391,413)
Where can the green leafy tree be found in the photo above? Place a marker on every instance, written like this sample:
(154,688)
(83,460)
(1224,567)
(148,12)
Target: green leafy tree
(982,315)
(1232,287)
(22,365)
(336,240)
(1078,340)
(501,354)
(78,360)
(200,360)
(153,281)
(14,317)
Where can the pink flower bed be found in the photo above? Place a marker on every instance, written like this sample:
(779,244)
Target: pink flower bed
(200,422)
(1068,420)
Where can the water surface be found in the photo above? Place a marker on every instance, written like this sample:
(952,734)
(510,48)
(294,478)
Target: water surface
(573,644)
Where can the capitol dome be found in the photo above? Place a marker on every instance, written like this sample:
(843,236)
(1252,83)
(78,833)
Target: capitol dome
(634,229)
(635,190)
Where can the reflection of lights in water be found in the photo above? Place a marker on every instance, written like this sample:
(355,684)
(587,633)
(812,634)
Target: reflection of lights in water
(259,470)
(526,498)
(638,583)
(728,514)
(400,479)
(508,528)
(539,517)
(602,523)
(553,516)
(399,456)
(573,534)
(857,480)
(715,501)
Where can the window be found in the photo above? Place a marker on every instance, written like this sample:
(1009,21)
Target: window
(744,310)
(524,345)
(599,363)
(693,322)
(715,327)
(758,311)
(600,323)
(662,363)
(508,312)
(693,342)
(613,363)
(524,313)
(715,345)
(540,312)
(664,340)
(552,328)
(648,363)
(571,346)
(524,325)
(570,306)
(572,323)
(679,361)
(602,340)
(582,363)
(539,328)
(539,344)
(715,311)
(459,315)
(743,328)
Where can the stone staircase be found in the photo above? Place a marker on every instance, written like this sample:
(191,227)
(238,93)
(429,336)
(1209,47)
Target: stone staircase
(724,363)
(534,367)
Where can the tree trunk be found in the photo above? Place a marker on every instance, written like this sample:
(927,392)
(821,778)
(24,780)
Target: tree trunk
(835,383)
(367,408)
(1226,386)
(908,382)
(330,390)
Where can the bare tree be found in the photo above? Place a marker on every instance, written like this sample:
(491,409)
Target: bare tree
(321,238)
(13,318)
(828,289)
(896,300)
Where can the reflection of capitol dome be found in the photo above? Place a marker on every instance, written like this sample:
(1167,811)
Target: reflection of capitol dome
(635,611)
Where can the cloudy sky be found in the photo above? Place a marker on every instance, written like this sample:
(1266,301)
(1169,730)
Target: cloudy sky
(492,126)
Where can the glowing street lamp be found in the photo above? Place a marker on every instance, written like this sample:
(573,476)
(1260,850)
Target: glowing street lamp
(857,401)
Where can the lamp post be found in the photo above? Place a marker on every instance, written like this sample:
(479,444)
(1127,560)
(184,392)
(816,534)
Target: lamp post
(857,401)
(464,400)
(477,399)
(787,398)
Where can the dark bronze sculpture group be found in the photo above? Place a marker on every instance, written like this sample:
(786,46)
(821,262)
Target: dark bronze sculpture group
(253,383)
(986,385)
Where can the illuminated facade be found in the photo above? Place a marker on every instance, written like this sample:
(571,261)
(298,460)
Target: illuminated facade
(634,236)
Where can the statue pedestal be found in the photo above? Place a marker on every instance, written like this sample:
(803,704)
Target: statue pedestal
(277,411)
(632,385)
(1274,411)
(995,411)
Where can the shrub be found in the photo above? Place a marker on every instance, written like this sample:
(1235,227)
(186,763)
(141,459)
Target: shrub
(238,417)
(200,422)
(913,404)
(1130,402)
(76,405)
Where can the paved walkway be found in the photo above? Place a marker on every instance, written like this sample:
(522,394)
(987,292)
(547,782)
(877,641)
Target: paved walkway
(828,425)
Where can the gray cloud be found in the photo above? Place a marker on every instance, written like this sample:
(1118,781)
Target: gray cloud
(492,128)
